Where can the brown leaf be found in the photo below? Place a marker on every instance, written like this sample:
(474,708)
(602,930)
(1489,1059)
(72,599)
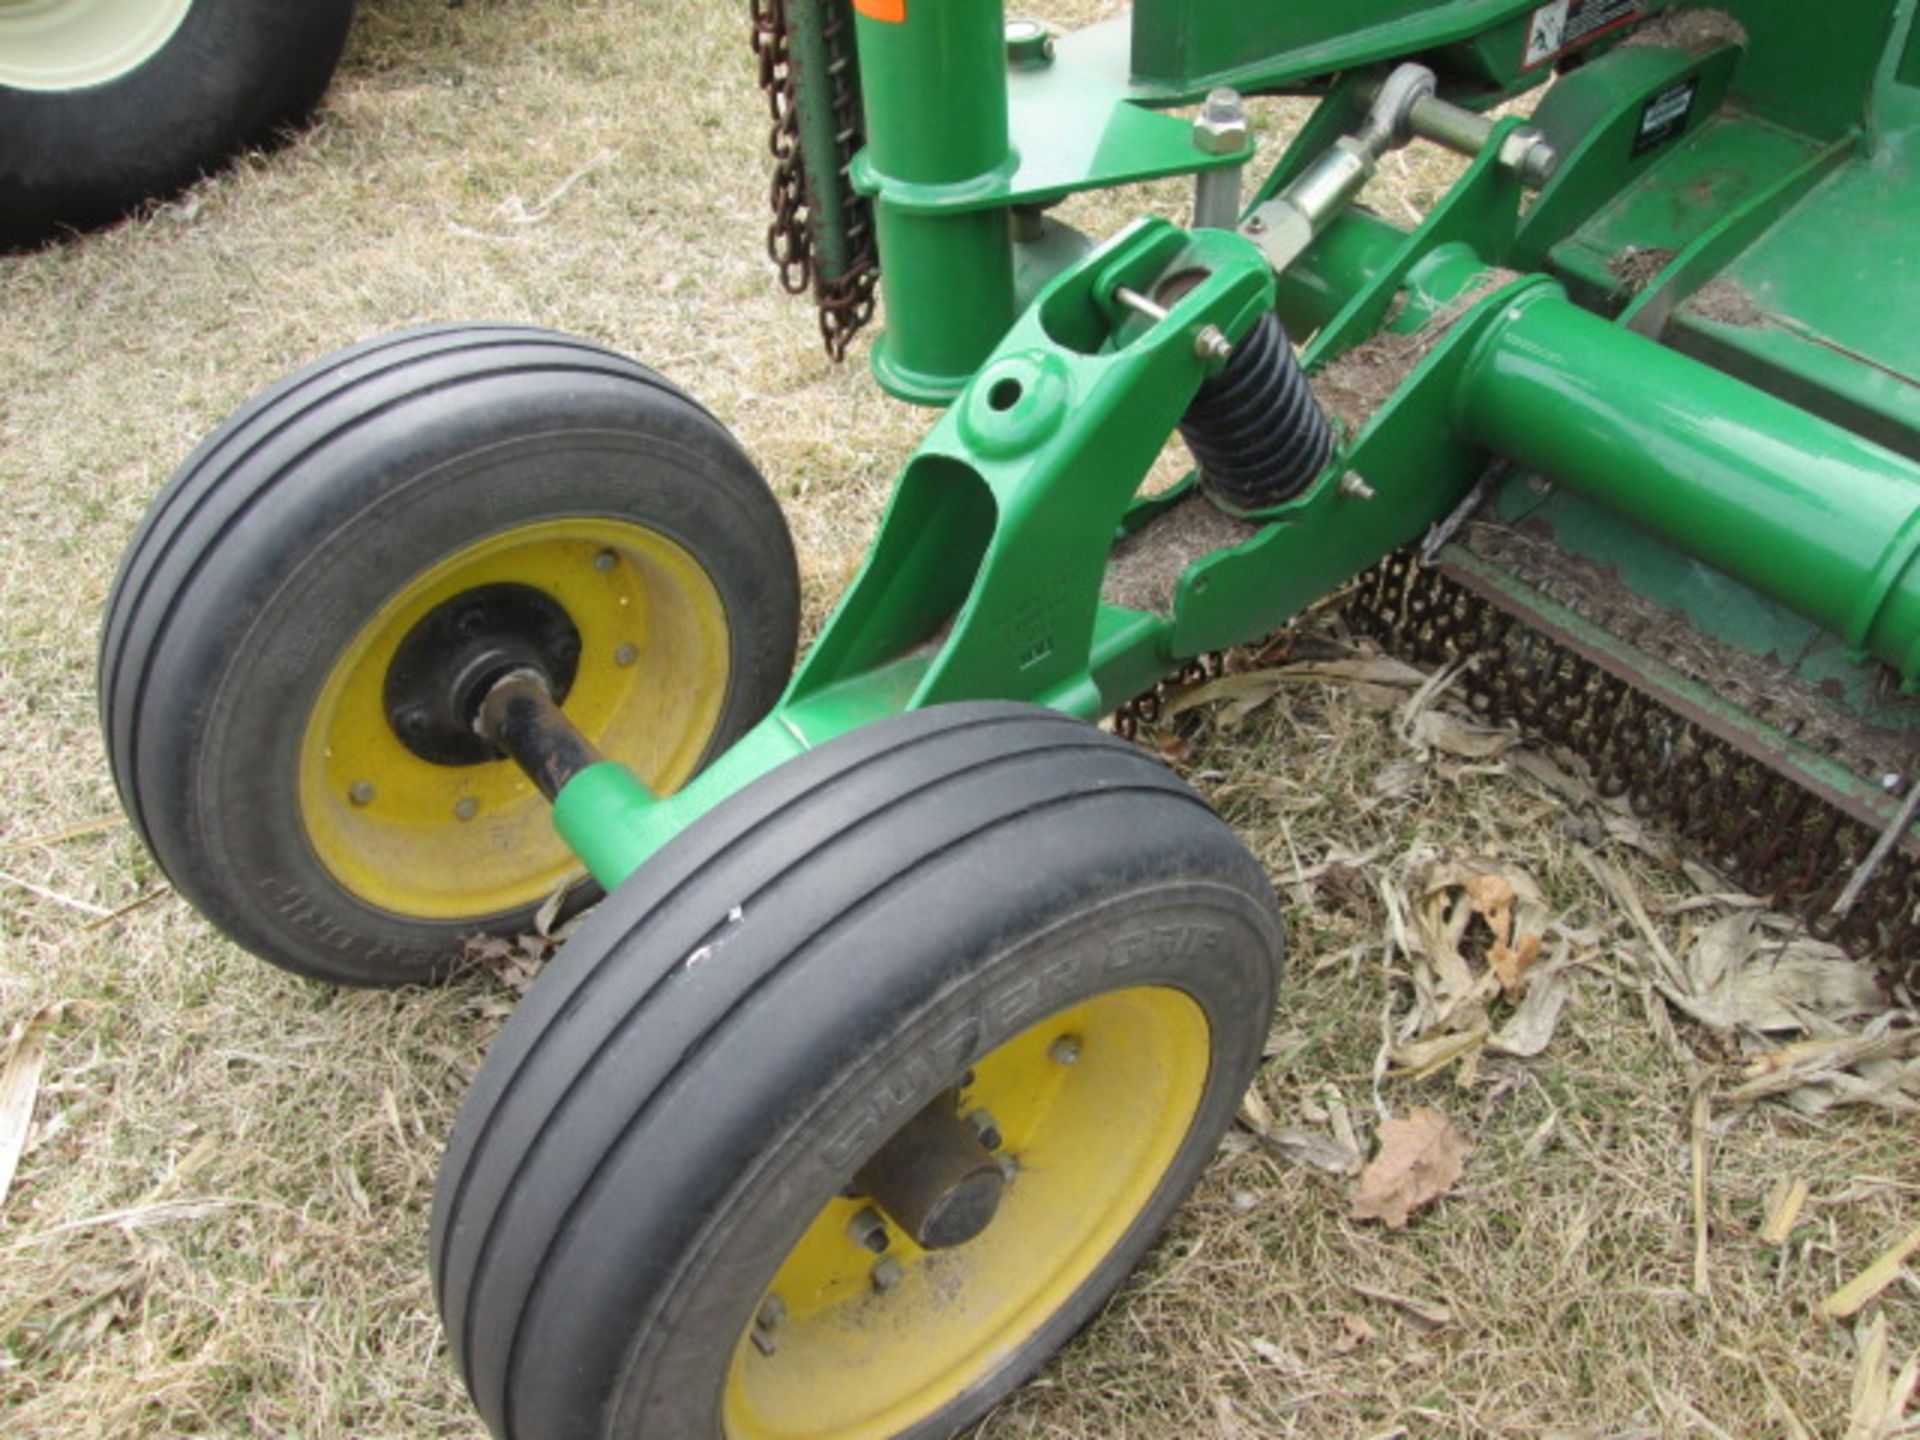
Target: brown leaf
(20,1087)
(1354,1332)
(1420,1159)
(1512,962)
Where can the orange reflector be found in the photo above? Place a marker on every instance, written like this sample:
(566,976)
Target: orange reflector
(894,11)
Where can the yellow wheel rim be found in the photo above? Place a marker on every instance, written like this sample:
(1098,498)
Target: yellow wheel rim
(449,842)
(1093,1105)
(71,44)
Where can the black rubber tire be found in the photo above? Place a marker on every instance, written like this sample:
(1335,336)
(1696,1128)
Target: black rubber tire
(645,1141)
(293,522)
(235,73)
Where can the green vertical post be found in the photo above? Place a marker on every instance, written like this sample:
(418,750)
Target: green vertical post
(933,74)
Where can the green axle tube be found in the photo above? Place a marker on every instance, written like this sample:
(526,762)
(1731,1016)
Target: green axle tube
(1800,509)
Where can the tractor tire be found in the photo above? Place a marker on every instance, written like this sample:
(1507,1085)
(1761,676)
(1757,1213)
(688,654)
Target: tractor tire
(643,1222)
(307,608)
(105,103)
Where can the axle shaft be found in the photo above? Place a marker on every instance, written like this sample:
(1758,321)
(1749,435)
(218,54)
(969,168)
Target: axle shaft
(520,719)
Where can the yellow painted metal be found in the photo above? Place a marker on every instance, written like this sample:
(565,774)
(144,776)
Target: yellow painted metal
(72,44)
(447,842)
(1091,1141)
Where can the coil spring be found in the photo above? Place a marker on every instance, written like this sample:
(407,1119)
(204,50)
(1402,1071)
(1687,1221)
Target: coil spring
(1255,429)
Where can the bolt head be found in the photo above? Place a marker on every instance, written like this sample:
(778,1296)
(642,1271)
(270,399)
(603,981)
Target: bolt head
(773,1313)
(360,792)
(466,808)
(605,561)
(887,1275)
(1065,1050)
(626,655)
(986,1128)
(1029,43)
(868,1230)
(1221,126)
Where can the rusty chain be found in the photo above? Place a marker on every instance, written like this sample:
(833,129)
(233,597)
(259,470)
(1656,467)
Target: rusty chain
(1772,836)
(845,301)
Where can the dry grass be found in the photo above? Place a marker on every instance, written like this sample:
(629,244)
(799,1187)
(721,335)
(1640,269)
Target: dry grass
(218,1226)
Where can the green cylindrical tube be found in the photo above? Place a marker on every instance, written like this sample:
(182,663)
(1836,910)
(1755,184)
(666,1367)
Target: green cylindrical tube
(934,83)
(1790,504)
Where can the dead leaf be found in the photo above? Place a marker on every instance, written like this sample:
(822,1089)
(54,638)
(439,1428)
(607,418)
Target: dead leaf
(1426,1312)
(20,1087)
(1354,1332)
(1528,1031)
(1878,1065)
(1312,1149)
(1740,975)
(1420,1159)
(1879,1402)
(1437,730)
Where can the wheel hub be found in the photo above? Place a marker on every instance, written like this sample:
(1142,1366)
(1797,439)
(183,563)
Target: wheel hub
(448,662)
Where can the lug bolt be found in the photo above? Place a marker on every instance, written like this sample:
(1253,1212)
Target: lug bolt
(360,792)
(1354,484)
(773,1313)
(605,561)
(1064,1051)
(763,1342)
(626,655)
(412,722)
(869,1230)
(986,1127)
(887,1275)
(466,808)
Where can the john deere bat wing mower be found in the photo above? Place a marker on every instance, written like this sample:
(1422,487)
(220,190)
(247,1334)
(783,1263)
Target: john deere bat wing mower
(916,1003)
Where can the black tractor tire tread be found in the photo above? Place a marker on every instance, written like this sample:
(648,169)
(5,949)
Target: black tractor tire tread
(237,73)
(272,462)
(1002,772)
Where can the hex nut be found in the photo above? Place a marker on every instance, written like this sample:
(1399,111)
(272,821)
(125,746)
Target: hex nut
(1221,126)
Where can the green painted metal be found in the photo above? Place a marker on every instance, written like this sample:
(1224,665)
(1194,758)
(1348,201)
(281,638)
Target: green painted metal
(1710,601)
(1859,796)
(1033,134)
(1180,48)
(1699,489)
(1594,117)
(985,576)
(1827,523)
(935,93)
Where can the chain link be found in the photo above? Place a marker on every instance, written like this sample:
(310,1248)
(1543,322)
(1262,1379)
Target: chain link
(1769,834)
(845,301)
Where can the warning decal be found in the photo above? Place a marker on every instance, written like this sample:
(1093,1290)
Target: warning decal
(1564,25)
(1665,115)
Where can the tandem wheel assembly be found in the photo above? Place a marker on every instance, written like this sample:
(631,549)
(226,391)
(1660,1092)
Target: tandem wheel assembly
(858,1095)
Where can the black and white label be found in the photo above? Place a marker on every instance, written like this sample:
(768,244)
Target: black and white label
(1665,115)
(1564,25)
